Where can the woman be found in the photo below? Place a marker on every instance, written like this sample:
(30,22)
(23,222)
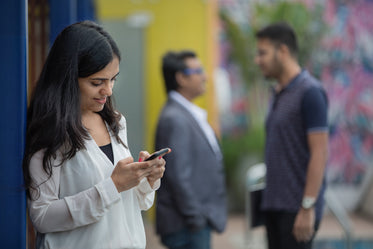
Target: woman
(83,188)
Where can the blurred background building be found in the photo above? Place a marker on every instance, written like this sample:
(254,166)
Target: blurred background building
(335,45)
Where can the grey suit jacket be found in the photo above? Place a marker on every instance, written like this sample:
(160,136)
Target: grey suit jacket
(193,191)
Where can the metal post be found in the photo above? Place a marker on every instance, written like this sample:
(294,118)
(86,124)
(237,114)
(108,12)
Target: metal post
(341,214)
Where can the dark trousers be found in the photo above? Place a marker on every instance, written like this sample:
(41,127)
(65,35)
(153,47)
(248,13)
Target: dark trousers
(279,227)
(186,239)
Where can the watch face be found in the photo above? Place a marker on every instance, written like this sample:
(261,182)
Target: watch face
(308,202)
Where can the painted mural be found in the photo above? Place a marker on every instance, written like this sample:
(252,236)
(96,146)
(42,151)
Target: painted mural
(344,63)
(348,77)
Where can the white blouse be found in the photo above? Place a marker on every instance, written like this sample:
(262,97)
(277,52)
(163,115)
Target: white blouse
(80,207)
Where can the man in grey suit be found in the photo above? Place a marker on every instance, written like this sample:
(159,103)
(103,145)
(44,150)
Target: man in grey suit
(191,201)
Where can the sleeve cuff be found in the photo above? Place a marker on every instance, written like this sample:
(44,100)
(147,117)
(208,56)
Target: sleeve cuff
(157,184)
(317,129)
(145,187)
(108,191)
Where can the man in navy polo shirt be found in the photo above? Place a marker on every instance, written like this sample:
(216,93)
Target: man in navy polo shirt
(296,142)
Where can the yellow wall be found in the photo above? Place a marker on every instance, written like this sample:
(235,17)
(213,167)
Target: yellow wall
(175,24)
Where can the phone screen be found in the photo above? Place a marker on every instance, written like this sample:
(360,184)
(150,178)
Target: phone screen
(158,153)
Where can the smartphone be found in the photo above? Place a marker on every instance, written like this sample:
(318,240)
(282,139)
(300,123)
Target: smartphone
(158,153)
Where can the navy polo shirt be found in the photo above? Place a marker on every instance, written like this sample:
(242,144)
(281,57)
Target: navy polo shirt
(295,111)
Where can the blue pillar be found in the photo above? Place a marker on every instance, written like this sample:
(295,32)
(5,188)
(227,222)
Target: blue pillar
(61,14)
(13,71)
(86,10)
(66,12)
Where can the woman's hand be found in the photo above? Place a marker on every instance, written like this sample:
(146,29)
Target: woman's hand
(158,167)
(128,174)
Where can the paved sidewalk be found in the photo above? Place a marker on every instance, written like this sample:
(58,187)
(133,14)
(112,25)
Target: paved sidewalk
(232,238)
(236,235)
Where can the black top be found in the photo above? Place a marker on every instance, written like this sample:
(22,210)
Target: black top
(108,150)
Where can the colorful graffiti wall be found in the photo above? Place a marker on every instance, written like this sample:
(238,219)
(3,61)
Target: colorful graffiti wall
(347,74)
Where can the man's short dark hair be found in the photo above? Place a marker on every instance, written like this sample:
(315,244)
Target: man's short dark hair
(280,33)
(172,63)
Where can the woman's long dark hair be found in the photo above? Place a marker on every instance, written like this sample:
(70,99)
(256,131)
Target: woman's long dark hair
(54,115)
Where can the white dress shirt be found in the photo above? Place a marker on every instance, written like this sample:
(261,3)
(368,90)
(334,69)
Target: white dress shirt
(200,116)
(80,207)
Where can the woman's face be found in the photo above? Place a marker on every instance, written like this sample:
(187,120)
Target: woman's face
(95,88)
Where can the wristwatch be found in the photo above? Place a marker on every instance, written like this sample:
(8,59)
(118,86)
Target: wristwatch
(308,202)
